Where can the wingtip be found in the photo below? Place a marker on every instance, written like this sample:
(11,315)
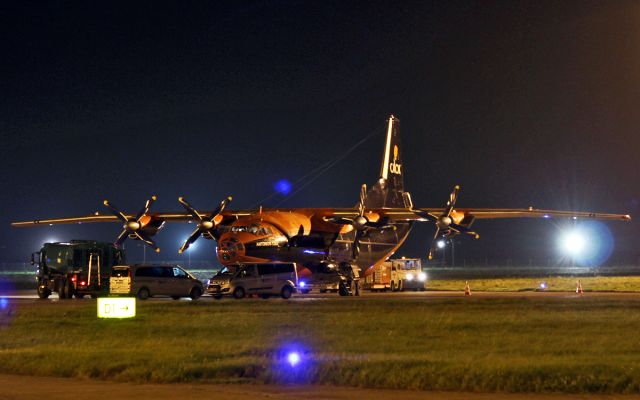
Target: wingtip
(180,199)
(627,217)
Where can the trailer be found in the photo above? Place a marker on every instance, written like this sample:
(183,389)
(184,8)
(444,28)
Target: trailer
(76,268)
(396,275)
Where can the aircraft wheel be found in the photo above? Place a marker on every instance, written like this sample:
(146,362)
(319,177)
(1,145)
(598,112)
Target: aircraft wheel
(238,293)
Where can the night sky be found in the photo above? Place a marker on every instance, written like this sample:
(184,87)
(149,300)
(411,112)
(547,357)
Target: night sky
(522,103)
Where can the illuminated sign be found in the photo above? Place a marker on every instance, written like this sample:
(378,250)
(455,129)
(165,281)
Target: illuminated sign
(116,307)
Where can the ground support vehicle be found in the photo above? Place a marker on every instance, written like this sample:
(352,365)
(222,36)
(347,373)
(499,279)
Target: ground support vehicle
(396,275)
(263,279)
(76,268)
(147,280)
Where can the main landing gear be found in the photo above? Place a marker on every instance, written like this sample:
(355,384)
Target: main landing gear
(349,280)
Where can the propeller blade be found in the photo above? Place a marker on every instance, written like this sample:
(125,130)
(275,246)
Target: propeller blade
(432,249)
(220,208)
(142,236)
(192,238)
(190,209)
(121,238)
(116,212)
(465,230)
(356,245)
(146,208)
(453,197)
(363,198)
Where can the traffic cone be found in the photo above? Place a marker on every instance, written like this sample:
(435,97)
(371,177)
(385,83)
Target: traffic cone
(579,287)
(467,289)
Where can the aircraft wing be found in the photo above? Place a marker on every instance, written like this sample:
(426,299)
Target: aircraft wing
(493,213)
(93,218)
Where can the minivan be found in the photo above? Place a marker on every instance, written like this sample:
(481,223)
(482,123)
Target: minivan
(263,279)
(144,281)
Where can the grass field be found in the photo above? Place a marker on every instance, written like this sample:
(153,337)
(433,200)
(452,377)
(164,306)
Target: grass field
(553,283)
(572,344)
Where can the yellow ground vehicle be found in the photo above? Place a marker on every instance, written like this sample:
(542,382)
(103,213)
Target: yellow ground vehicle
(396,275)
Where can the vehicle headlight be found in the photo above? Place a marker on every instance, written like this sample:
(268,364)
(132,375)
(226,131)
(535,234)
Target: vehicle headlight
(422,276)
(409,277)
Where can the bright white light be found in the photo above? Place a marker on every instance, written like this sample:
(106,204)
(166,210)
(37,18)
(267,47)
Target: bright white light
(422,276)
(543,285)
(293,358)
(573,243)
(441,244)
(302,284)
(409,276)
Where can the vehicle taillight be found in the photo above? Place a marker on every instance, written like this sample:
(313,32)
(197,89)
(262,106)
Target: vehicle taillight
(73,278)
(83,283)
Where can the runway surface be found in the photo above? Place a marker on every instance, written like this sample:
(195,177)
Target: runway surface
(30,296)
(26,387)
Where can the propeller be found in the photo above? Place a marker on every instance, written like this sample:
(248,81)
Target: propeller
(444,223)
(206,225)
(361,223)
(132,227)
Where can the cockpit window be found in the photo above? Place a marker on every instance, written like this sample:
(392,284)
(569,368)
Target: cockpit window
(254,229)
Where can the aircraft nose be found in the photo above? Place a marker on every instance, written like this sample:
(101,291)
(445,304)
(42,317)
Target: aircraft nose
(230,249)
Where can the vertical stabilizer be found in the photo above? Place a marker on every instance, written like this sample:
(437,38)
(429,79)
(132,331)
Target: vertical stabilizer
(388,191)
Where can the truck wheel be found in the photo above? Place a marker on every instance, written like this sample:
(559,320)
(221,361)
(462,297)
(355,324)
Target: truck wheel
(143,294)
(238,293)
(63,288)
(195,293)
(43,290)
(286,292)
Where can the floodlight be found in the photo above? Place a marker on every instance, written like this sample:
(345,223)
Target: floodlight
(573,243)
(441,243)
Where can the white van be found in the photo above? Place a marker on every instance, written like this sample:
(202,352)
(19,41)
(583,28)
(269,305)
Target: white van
(144,281)
(264,279)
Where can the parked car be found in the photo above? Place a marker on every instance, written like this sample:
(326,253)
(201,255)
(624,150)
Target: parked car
(144,281)
(264,279)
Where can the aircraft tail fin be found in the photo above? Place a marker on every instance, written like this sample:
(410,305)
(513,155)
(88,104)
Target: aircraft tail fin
(388,191)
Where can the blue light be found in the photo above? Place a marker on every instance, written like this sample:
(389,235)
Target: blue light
(546,216)
(293,358)
(302,284)
(313,251)
(283,186)
(4,302)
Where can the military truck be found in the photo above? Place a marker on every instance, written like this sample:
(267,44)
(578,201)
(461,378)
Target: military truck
(76,268)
